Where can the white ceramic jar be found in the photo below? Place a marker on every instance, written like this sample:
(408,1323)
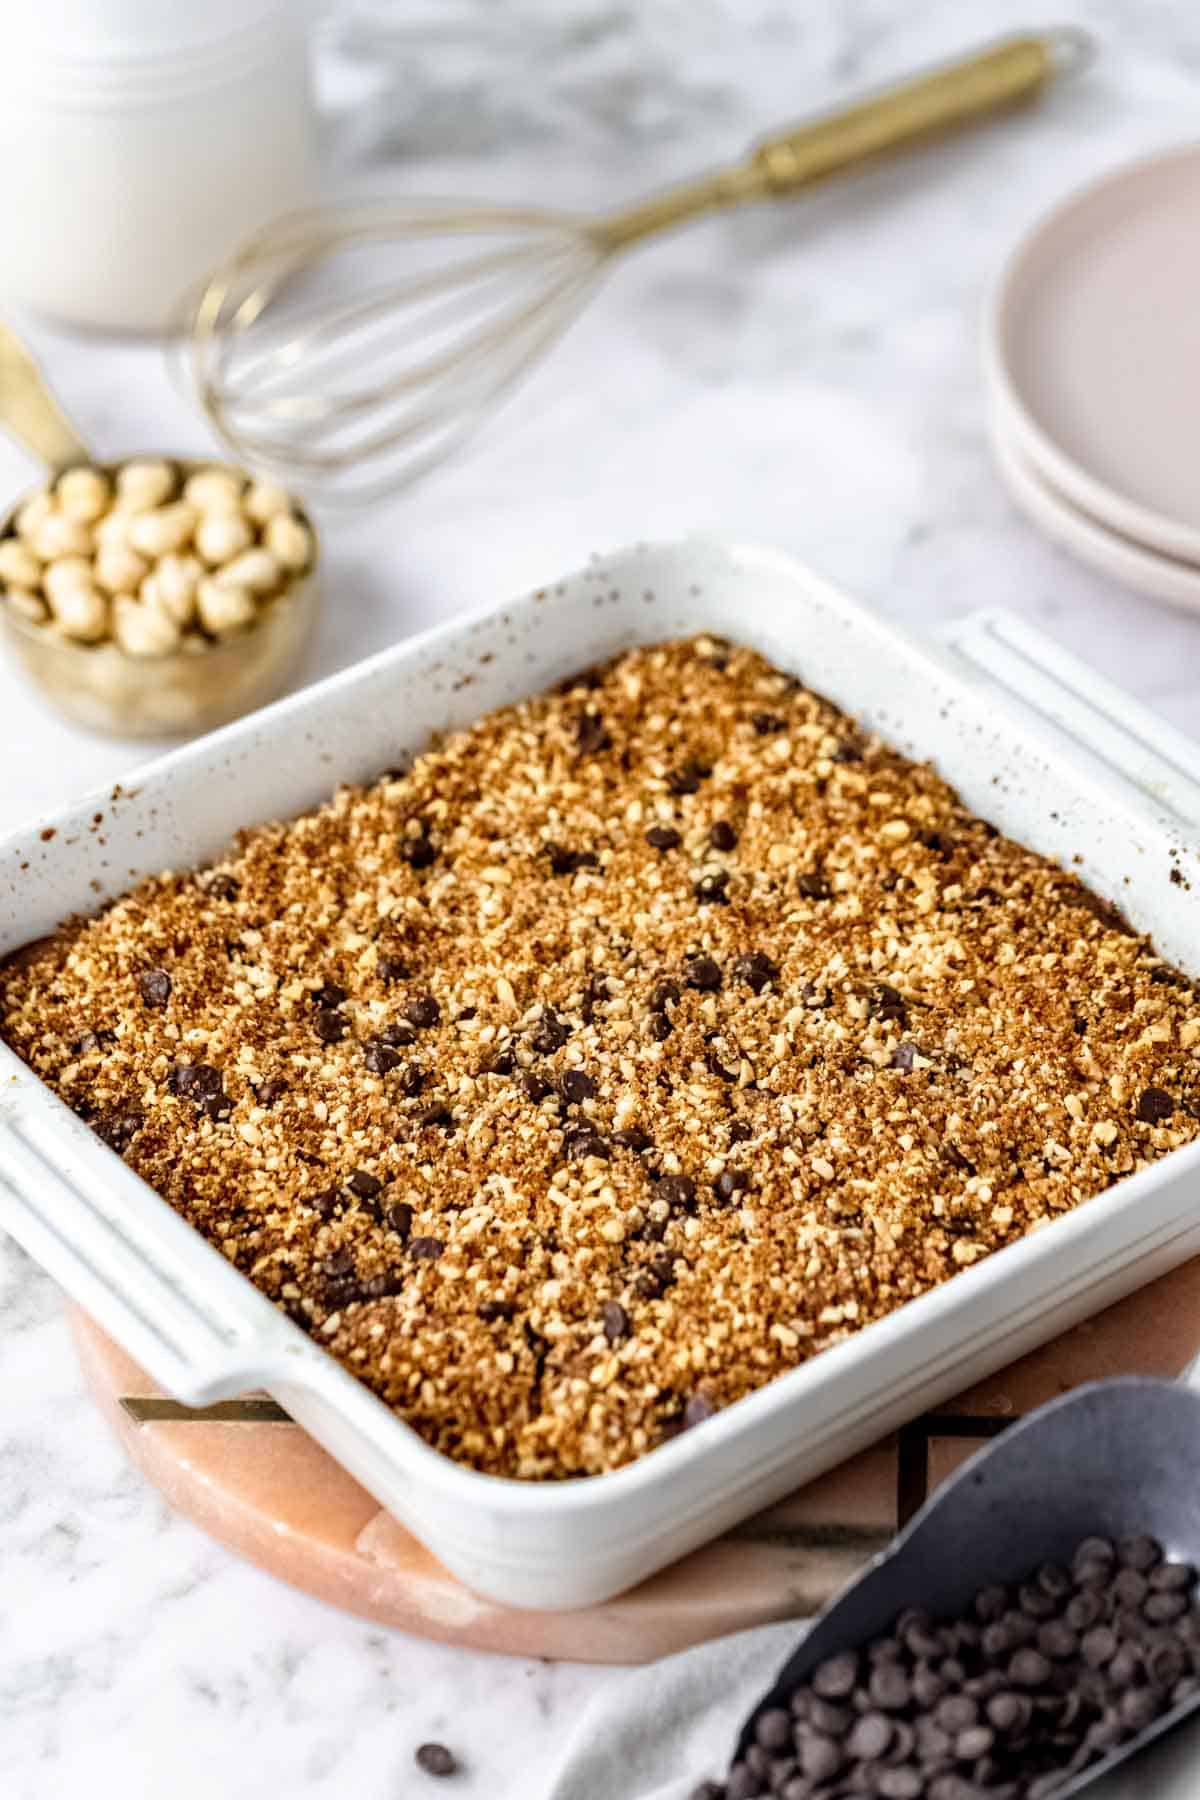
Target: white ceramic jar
(140,141)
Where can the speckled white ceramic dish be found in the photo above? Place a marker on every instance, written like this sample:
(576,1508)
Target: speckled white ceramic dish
(1032,742)
(1092,351)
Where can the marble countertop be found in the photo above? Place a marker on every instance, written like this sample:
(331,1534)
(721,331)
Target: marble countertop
(805,375)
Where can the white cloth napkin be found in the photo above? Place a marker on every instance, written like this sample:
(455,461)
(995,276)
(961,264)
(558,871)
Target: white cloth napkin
(659,1731)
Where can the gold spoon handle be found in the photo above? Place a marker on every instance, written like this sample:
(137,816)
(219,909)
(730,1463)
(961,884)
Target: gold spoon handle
(29,410)
(924,107)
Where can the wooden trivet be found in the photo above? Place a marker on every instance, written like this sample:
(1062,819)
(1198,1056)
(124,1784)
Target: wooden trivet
(252,1479)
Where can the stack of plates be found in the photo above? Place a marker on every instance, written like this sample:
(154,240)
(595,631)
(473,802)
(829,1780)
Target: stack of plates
(1093,362)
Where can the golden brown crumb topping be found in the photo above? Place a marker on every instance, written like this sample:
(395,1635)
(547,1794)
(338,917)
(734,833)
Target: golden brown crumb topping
(634,1045)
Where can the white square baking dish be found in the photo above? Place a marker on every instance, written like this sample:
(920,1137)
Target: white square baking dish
(1047,753)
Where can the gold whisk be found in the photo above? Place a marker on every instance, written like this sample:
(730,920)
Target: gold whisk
(358,389)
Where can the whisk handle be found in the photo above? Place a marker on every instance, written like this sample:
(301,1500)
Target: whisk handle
(925,106)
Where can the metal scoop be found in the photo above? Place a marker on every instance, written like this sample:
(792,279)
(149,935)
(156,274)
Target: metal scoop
(1113,1459)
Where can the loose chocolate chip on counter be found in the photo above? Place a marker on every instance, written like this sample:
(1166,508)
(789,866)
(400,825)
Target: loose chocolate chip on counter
(330,1026)
(663,837)
(550,1033)
(729,1184)
(591,736)
(380,1058)
(722,836)
(363,1185)
(400,1219)
(766,723)
(435,1759)
(813,886)
(576,1086)
(426,1249)
(615,1321)
(391,969)
(702,973)
(418,852)
(331,995)
(423,1011)
(679,1192)
(755,969)
(710,890)
(155,987)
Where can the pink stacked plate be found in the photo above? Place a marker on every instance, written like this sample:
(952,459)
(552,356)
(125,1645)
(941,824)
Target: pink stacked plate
(1092,352)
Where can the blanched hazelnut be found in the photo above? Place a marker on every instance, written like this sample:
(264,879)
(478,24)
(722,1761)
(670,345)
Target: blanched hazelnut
(220,536)
(68,573)
(38,507)
(119,570)
(165,529)
(289,542)
(56,536)
(82,612)
(113,528)
(19,567)
(143,630)
(26,605)
(175,581)
(83,494)
(214,490)
(253,569)
(223,607)
(264,499)
(142,485)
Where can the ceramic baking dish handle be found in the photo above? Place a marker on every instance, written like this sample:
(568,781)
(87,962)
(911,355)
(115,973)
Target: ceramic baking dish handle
(120,1250)
(1099,720)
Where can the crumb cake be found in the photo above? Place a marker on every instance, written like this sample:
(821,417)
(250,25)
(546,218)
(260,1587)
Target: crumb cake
(623,1052)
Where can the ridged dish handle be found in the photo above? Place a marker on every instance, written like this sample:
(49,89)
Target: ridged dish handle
(124,1255)
(1106,725)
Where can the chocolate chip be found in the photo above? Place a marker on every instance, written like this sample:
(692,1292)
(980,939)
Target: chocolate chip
(1140,1553)
(418,852)
(492,1311)
(653,1281)
(740,1132)
(813,995)
(1172,1577)
(813,886)
(848,751)
(326,1203)
(503,1063)
(155,986)
(398,1036)
(435,1759)
(340,1263)
(576,1086)
(756,969)
(886,1002)
(663,837)
(710,889)
(583,1141)
(118,1129)
(550,1033)
(765,723)
(834,1678)
(412,1080)
(330,1026)
(957,1160)
(268,1092)
(1161,1609)
(729,1184)
(331,995)
(889,1687)
(687,779)
(632,1138)
(363,1185)
(1154,1106)
(615,1321)
(703,973)
(379,1057)
(196,1081)
(569,862)
(219,885)
(423,1011)
(533,1087)
(438,1115)
(391,969)
(696,1410)
(722,836)
(1029,1669)
(426,1249)
(663,995)
(591,736)
(904,1058)
(679,1192)
(399,1218)
(715,1066)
